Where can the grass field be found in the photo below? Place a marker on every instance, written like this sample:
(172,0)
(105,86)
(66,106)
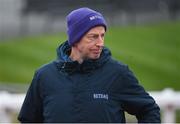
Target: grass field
(152,53)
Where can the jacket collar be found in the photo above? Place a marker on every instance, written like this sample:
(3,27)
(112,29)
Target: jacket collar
(66,65)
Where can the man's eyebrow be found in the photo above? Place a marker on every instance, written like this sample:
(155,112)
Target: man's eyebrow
(94,33)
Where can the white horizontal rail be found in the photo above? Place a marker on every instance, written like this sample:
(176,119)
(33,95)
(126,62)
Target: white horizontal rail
(168,100)
(9,102)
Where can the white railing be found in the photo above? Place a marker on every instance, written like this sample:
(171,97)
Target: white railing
(168,100)
(9,102)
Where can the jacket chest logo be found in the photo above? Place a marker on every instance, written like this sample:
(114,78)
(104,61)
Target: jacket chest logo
(100,96)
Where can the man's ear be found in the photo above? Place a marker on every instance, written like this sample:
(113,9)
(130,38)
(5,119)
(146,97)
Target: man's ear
(75,45)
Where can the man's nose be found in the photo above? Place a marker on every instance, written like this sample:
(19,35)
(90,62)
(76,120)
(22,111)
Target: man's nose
(100,42)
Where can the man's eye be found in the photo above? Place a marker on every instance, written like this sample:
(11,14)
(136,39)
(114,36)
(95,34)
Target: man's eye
(102,35)
(90,37)
(95,36)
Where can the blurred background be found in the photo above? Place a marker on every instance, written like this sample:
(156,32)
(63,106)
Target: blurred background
(145,34)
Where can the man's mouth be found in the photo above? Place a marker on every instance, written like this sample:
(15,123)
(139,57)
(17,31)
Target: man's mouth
(97,51)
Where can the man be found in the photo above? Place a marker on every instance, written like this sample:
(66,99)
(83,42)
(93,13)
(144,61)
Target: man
(85,84)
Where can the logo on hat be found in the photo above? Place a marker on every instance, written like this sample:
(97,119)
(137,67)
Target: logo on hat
(95,17)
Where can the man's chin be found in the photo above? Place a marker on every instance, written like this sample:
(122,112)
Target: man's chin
(95,56)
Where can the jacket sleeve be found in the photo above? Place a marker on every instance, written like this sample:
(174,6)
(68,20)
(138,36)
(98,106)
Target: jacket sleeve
(31,110)
(136,101)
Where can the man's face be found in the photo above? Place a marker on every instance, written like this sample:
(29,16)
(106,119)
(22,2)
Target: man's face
(91,44)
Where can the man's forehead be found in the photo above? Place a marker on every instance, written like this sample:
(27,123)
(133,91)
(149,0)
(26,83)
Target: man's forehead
(96,30)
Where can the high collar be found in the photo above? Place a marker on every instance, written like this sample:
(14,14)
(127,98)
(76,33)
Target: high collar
(66,65)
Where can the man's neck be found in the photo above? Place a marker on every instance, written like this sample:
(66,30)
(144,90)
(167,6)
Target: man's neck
(75,55)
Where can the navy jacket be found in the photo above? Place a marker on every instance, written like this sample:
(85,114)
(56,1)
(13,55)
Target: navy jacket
(94,91)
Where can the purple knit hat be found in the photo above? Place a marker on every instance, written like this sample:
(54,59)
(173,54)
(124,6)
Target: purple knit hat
(80,21)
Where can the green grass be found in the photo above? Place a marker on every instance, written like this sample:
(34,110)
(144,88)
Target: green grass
(151,51)
(19,58)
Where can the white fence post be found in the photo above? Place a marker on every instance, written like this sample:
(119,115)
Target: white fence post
(11,102)
(169,101)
